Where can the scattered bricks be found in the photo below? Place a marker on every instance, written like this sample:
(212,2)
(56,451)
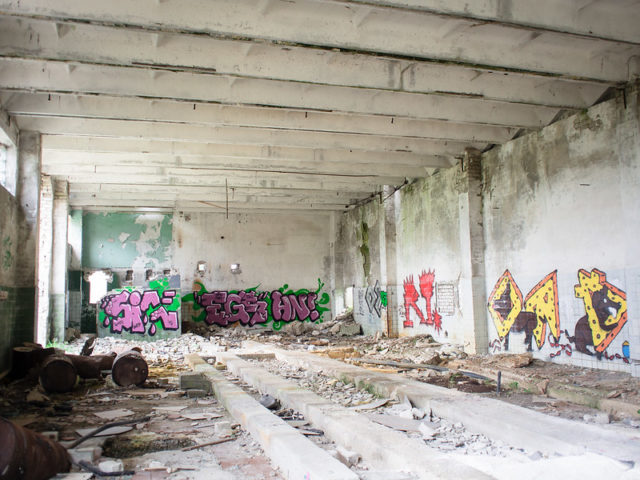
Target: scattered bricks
(196,393)
(194,381)
(85,454)
(348,457)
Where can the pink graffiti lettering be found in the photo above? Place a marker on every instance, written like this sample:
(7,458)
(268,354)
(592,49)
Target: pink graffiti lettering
(132,311)
(289,307)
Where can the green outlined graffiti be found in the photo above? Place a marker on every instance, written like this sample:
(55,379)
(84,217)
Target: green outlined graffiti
(251,306)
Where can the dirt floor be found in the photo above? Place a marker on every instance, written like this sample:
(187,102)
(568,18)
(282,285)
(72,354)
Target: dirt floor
(171,427)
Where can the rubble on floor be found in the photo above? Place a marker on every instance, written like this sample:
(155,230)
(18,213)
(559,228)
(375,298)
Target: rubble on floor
(181,407)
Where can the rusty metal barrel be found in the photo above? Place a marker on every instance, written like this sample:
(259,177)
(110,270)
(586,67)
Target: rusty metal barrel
(90,367)
(129,368)
(27,455)
(58,374)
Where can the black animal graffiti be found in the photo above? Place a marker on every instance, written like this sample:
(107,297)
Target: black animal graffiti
(603,307)
(525,321)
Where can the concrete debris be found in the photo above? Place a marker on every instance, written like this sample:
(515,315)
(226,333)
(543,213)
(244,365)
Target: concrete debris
(512,360)
(267,401)
(601,418)
(348,457)
(114,414)
(110,466)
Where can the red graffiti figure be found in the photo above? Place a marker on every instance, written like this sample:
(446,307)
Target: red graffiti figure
(426,280)
(411,296)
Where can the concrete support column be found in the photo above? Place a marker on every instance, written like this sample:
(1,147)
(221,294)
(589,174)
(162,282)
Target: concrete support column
(28,194)
(45,253)
(60,260)
(472,284)
(391,261)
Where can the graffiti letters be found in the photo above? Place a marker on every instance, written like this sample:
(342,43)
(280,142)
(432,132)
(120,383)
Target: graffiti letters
(373,297)
(605,314)
(223,308)
(134,311)
(250,307)
(532,315)
(411,297)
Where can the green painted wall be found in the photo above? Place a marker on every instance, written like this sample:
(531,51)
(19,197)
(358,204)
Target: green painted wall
(17,302)
(124,240)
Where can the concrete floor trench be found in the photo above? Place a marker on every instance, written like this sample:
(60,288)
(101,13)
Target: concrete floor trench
(273,405)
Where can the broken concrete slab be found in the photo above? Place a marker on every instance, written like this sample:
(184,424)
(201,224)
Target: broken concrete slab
(294,454)
(397,423)
(526,428)
(377,444)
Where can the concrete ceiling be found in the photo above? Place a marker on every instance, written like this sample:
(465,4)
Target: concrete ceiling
(293,104)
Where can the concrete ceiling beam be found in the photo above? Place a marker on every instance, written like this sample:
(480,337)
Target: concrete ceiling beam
(30,38)
(613,20)
(90,144)
(231,135)
(195,192)
(57,77)
(72,160)
(210,177)
(123,108)
(379,30)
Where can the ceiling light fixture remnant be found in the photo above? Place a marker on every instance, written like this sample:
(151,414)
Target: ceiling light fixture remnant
(235,268)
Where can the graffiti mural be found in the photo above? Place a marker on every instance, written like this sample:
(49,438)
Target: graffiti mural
(373,298)
(605,308)
(533,315)
(251,307)
(606,313)
(141,311)
(411,298)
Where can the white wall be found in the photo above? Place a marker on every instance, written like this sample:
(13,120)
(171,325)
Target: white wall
(272,250)
(566,199)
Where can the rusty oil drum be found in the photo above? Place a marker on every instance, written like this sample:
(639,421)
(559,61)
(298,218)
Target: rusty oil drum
(27,455)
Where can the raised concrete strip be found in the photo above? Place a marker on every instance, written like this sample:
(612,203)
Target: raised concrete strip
(379,446)
(296,456)
(511,424)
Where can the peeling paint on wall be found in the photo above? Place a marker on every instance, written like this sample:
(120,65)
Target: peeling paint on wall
(122,240)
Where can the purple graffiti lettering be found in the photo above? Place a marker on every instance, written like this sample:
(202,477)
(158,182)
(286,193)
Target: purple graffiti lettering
(254,306)
(224,308)
(289,307)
